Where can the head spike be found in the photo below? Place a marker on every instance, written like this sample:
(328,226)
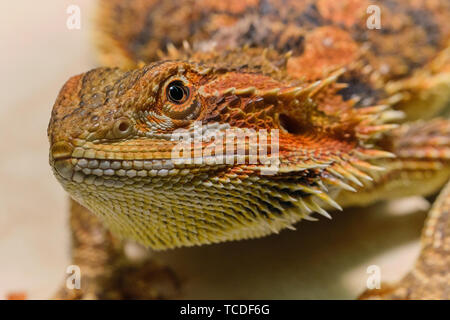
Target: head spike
(338,183)
(290,93)
(366,166)
(186,46)
(373,109)
(346,174)
(327,199)
(327,81)
(245,91)
(373,154)
(229,91)
(371,130)
(356,172)
(316,208)
(270,94)
(310,218)
(305,206)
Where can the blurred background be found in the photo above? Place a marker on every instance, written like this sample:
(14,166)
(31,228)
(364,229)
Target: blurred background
(324,259)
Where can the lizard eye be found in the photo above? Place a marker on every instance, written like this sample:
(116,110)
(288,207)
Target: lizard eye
(179,103)
(177,92)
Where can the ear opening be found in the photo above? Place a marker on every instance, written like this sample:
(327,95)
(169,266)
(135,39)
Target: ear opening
(290,124)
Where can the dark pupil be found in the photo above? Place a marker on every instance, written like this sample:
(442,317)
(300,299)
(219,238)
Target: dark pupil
(177,92)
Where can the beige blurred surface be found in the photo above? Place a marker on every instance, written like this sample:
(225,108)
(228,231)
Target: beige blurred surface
(325,259)
(38,54)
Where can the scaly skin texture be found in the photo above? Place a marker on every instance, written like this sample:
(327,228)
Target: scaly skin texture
(430,277)
(334,94)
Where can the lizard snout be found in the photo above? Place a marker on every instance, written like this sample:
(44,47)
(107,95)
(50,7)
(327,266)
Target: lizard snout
(61,150)
(60,154)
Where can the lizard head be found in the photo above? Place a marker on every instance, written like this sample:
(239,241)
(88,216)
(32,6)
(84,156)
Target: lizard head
(149,150)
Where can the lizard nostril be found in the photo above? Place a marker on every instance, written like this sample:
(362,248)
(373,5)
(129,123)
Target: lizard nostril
(122,128)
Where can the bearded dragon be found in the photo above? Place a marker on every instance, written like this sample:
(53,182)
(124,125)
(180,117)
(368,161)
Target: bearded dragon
(352,115)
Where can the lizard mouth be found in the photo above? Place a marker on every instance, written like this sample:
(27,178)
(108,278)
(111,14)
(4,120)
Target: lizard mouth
(90,167)
(84,170)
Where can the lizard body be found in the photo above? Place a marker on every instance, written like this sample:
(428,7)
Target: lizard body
(337,104)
